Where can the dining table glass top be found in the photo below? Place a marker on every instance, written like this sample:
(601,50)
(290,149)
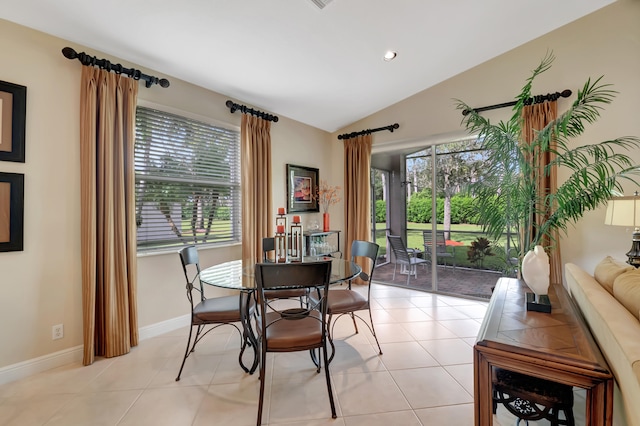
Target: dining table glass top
(239,275)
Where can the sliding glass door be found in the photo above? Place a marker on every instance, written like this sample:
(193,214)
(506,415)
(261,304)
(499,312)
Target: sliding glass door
(441,219)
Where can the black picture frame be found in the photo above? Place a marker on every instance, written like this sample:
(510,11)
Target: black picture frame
(13,113)
(302,187)
(11,212)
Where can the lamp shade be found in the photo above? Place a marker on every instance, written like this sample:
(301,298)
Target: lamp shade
(623,211)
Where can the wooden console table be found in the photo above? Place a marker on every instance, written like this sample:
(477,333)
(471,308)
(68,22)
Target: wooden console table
(556,346)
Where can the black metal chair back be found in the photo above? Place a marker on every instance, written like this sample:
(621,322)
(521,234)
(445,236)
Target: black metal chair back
(292,329)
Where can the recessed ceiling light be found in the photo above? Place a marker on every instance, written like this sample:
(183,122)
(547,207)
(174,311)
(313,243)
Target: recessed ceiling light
(390,55)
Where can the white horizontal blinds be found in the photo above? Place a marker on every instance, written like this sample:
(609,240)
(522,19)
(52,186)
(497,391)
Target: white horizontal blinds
(187,181)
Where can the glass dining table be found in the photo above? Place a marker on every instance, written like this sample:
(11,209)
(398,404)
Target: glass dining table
(239,275)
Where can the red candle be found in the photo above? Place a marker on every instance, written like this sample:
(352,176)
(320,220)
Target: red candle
(280,229)
(296,219)
(280,210)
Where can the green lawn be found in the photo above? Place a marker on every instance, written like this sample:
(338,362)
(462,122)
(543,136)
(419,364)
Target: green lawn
(463,233)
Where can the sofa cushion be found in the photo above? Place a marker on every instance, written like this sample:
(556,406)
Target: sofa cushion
(616,331)
(626,290)
(608,270)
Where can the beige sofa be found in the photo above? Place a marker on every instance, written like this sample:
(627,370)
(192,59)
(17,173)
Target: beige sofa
(610,303)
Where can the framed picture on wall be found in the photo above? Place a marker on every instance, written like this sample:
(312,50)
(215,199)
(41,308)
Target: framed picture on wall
(13,111)
(302,187)
(11,211)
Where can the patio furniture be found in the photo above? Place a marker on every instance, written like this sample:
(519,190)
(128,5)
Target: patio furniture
(440,246)
(407,260)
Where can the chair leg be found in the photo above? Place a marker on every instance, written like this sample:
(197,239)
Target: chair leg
(263,361)
(186,353)
(328,377)
(353,318)
(330,337)
(373,331)
(395,265)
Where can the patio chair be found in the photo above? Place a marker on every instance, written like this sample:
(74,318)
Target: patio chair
(408,261)
(441,247)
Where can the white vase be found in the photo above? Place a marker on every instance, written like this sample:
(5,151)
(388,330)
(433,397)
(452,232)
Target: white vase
(536,269)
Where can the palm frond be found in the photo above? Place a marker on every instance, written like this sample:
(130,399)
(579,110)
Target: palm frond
(525,94)
(507,194)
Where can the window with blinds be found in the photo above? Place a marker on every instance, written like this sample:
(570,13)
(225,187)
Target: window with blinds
(187,181)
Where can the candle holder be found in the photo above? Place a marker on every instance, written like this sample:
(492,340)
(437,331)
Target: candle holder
(296,249)
(281,219)
(280,242)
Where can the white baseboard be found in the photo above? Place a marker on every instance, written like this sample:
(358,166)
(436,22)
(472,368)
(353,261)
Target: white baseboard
(163,327)
(33,366)
(37,365)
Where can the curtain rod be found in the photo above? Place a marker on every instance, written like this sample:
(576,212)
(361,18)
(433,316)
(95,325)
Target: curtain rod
(538,99)
(390,127)
(233,107)
(105,64)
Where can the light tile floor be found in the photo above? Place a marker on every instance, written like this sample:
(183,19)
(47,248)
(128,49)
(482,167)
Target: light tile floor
(424,377)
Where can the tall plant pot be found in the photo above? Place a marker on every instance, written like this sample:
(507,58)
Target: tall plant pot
(325,222)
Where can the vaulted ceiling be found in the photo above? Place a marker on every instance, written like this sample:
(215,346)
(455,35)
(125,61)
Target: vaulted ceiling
(320,66)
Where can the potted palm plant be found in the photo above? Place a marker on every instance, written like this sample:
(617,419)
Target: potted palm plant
(508,194)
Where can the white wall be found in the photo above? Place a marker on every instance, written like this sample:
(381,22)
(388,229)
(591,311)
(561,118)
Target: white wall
(604,43)
(41,286)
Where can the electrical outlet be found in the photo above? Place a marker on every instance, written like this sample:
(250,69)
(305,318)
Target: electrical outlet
(57,332)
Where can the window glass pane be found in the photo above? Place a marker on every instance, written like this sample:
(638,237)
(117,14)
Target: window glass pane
(187,181)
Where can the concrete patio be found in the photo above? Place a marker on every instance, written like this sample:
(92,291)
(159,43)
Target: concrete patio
(459,281)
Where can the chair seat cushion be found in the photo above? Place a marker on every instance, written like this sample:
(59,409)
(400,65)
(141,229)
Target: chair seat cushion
(341,301)
(217,309)
(301,334)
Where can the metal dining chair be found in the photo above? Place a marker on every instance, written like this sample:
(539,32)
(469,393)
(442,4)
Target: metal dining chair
(292,329)
(213,312)
(347,301)
(268,246)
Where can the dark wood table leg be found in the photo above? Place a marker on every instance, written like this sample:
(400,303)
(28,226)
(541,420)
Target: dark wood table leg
(483,398)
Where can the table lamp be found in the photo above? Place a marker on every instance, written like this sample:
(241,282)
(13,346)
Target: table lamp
(625,211)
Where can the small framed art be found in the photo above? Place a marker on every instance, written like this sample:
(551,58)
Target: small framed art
(302,187)
(11,211)
(13,111)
